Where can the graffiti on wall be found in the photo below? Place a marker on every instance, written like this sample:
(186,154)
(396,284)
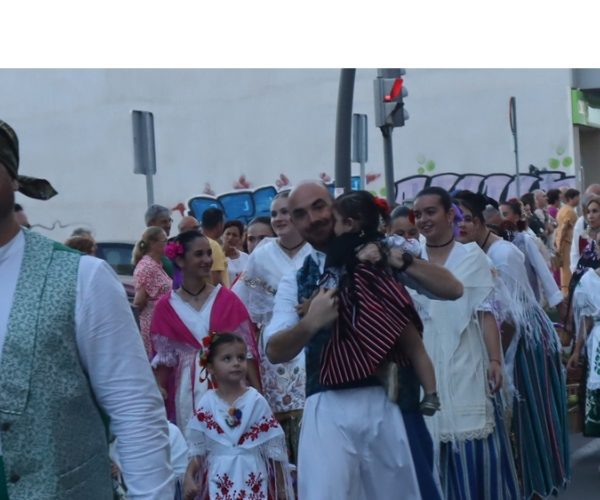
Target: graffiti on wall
(245,204)
(501,187)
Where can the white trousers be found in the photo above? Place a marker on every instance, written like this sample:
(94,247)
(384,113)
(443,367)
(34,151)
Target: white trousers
(353,446)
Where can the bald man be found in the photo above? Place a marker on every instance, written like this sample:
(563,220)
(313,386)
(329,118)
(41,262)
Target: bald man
(355,430)
(580,227)
(188,223)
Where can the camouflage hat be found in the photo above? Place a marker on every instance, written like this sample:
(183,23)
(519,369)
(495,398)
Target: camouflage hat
(9,157)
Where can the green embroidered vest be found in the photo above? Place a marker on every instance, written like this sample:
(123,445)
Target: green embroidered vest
(53,439)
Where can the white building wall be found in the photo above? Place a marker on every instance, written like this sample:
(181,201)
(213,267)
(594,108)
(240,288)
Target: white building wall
(213,125)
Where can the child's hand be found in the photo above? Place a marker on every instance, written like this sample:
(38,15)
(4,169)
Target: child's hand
(302,308)
(396,258)
(369,253)
(191,489)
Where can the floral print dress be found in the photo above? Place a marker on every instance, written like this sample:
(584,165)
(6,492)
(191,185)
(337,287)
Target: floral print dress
(150,276)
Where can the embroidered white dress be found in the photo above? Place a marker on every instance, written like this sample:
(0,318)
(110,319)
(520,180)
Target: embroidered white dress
(283,384)
(238,458)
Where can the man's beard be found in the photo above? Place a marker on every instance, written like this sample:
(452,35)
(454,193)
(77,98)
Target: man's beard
(7,205)
(316,228)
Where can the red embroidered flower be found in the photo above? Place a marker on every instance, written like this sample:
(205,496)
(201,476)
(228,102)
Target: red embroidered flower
(256,429)
(207,418)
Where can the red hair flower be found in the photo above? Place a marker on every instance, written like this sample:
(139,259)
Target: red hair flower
(411,216)
(382,205)
(206,343)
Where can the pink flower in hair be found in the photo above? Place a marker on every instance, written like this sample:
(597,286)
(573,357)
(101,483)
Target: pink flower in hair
(174,249)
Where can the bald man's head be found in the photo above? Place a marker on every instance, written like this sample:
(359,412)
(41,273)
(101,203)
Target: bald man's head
(593,189)
(188,223)
(309,204)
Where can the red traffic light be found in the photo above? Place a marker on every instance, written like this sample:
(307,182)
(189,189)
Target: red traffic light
(395,92)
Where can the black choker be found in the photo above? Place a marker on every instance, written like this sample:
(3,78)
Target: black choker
(486,240)
(193,294)
(291,248)
(442,245)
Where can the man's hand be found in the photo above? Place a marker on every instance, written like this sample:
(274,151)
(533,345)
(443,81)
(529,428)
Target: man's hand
(495,376)
(323,309)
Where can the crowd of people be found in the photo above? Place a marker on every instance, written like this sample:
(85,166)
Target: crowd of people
(337,349)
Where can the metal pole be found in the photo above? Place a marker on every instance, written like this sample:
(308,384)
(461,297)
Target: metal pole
(388,157)
(343,132)
(149,190)
(513,127)
(363,176)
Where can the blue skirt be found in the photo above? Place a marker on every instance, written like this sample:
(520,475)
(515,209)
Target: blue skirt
(480,469)
(421,448)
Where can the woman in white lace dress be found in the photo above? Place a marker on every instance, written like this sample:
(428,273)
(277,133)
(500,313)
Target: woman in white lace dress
(283,384)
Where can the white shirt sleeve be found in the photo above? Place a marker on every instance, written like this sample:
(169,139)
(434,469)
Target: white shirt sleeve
(179,451)
(553,294)
(574,254)
(284,309)
(112,354)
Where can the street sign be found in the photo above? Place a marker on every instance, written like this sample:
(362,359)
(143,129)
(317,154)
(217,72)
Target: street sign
(144,150)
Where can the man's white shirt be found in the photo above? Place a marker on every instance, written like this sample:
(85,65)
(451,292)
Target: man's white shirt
(112,355)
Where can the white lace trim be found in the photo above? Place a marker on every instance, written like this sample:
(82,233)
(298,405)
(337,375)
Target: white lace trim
(468,435)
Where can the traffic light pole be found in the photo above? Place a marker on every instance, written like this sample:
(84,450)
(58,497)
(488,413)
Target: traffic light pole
(388,157)
(343,131)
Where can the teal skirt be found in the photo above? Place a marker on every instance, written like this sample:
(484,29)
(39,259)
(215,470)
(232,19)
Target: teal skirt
(539,425)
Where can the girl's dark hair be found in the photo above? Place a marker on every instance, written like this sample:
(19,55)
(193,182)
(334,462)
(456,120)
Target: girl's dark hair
(187,237)
(438,191)
(515,206)
(528,199)
(361,206)
(507,230)
(474,202)
(234,223)
(553,196)
(221,339)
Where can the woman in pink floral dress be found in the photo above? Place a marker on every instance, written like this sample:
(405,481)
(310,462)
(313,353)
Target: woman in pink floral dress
(151,281)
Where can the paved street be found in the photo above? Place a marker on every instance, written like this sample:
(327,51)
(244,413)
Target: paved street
(585,460)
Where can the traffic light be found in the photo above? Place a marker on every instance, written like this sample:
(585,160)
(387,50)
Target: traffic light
(389,98)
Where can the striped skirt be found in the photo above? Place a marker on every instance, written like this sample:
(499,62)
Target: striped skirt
(480,469)
(539,426)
